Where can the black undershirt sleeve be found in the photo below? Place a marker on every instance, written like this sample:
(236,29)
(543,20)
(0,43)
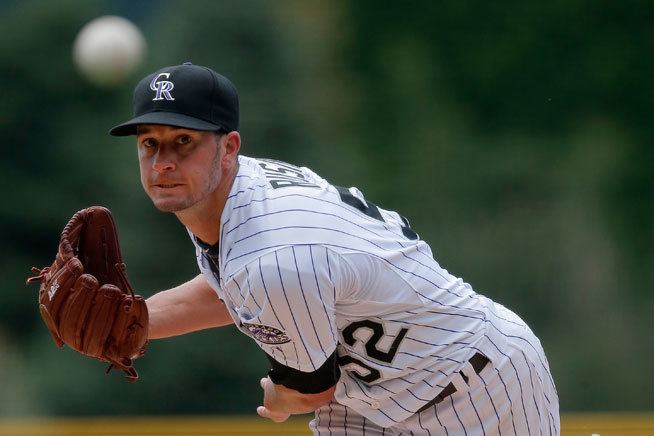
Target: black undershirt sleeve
(306,382)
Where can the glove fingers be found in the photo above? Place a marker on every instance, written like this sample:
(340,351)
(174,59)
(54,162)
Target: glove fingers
(54,292)
(76,310)
(101,319)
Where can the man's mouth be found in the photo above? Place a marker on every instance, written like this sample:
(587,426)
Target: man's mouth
(167,185)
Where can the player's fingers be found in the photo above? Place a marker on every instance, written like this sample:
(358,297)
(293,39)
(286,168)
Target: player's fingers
(276,417)
(263,382)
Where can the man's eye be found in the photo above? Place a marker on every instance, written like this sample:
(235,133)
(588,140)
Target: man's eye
(184,139)
(148,143)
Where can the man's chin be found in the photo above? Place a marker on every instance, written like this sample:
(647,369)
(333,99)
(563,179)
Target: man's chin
(170,206)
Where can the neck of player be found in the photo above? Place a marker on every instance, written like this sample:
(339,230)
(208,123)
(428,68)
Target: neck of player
(203,218)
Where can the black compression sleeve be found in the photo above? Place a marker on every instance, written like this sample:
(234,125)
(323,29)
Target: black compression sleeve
(306,382)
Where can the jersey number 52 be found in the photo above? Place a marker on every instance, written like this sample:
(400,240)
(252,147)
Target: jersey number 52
(358,368)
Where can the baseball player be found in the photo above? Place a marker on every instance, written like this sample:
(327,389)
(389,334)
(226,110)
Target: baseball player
(359,322)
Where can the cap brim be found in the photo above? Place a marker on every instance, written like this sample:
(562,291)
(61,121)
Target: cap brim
(166,118)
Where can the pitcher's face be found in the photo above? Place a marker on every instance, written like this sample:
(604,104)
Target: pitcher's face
(179,167)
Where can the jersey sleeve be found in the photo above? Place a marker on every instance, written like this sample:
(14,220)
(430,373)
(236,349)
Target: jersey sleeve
(285,301)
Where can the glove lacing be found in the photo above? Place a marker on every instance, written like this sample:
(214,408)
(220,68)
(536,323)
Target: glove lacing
(40,274)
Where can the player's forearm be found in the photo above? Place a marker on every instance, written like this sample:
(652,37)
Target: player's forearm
(189,307)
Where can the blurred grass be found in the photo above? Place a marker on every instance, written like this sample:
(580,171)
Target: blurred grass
(586,424)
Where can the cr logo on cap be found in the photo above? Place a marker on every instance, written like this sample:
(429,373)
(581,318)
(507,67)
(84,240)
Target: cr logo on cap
(162,88)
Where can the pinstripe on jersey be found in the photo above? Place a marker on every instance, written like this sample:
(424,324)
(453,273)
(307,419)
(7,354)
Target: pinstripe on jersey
(327,270)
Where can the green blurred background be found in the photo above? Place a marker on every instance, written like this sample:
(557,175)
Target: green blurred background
(516,136)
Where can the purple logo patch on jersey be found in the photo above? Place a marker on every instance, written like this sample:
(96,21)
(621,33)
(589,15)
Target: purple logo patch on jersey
(266,334)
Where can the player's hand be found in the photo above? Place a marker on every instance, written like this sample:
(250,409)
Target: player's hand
(269,397)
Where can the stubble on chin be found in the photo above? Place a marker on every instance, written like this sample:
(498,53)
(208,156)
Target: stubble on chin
(172,206)
(166,207)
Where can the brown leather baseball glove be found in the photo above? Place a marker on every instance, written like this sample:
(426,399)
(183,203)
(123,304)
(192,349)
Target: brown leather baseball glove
(85,298)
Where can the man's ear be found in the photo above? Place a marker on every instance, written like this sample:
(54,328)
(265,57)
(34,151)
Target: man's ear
(232,143)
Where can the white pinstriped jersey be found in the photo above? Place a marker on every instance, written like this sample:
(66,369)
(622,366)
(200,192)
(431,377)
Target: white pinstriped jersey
(306,268)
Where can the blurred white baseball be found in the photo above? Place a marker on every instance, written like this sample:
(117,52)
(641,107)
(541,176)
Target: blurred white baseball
(108,49)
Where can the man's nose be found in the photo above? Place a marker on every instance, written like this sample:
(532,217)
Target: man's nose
(163,162)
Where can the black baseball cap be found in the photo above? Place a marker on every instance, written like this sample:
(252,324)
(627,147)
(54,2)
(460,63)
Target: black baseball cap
(187,95)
